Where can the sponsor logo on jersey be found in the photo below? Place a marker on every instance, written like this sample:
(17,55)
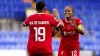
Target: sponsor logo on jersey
(70,32)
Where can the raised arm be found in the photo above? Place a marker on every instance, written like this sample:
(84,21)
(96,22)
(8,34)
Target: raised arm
(56,15)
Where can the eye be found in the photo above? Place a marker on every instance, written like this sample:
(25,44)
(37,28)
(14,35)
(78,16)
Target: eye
(65,10)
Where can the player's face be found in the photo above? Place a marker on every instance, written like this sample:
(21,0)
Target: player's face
(68,12)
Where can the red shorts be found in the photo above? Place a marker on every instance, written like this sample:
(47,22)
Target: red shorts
(46,54)
(68,51)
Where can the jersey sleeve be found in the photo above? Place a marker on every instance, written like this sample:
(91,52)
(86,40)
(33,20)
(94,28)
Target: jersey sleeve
(79,23)
(54,22)
(26,22)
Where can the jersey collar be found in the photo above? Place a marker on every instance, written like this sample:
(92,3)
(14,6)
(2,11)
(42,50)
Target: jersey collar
(67,21)
(40,13)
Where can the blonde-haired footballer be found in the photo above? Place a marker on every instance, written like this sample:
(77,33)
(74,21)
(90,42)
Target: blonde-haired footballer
(69,45)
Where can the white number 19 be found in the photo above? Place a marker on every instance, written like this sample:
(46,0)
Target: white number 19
(38,32)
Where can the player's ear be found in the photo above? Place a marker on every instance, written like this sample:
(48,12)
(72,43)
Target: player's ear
(44,8)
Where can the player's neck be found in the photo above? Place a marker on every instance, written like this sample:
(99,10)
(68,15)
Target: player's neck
(68,18)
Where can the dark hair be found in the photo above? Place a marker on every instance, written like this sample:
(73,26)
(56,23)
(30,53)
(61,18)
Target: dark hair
(72,8)
(40,5)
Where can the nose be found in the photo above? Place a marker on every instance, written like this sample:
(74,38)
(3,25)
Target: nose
(67,11)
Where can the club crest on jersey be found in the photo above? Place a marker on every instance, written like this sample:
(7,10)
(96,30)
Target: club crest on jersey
(68,27)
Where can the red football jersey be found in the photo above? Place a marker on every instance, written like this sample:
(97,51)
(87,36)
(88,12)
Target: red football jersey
(40,37)
(70,36)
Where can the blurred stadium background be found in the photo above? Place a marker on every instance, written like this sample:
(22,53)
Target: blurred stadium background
(13,37)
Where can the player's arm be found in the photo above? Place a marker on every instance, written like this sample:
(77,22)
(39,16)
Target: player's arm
(54,30)
(26,22)
(78,27)
(57,18)
(56,15)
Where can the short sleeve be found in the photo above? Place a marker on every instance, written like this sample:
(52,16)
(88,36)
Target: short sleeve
(54,22)
(26,22)
(79,24)
(78,21)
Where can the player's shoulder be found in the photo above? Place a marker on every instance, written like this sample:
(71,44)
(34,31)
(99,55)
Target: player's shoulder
(32,15)
(63,19)
(49,15)
(77,19)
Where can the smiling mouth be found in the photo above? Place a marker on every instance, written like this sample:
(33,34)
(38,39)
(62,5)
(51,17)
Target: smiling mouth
(66,14)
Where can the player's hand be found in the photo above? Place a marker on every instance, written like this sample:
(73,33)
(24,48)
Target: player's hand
(55,13)
(73,23)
